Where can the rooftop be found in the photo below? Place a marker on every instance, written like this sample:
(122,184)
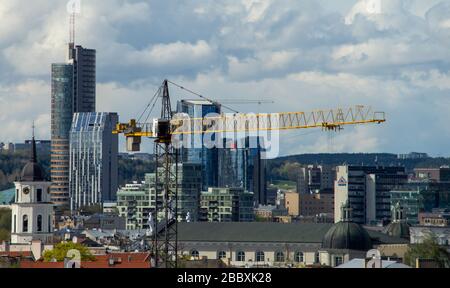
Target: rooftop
(360,263)
(266,232)
(120,260)
(198,102)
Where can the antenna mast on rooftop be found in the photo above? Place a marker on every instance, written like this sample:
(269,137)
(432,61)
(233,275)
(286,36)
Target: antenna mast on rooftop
(73,8)
(72,27)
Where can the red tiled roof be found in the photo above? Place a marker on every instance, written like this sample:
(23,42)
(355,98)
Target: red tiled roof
(123,260)
(133,256)
(17,254)
(41,264)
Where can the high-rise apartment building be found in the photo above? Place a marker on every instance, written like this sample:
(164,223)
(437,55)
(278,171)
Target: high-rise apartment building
(73,90)
(189,187)
(195,150)
(93,159)
(227,205)
(133,204)
(367,190)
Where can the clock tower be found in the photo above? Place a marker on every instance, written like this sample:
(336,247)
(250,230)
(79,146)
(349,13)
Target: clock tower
(32,210)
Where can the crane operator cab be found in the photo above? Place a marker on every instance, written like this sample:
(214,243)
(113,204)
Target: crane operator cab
(162,130)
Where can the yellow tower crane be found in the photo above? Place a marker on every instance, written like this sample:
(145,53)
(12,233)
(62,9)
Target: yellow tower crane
(170,126)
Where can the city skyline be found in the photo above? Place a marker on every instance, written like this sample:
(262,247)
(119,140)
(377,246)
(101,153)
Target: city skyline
(241,161)
(304,55)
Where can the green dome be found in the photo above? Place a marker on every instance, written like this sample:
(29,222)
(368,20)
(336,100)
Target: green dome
(397,229)
(347,235)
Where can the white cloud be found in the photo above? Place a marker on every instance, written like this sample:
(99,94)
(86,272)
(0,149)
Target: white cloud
(21,104)
(297,53)
(432,79)
(178,54)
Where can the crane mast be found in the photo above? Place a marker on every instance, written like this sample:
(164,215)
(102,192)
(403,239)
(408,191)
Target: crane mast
(166,189)
(165,234)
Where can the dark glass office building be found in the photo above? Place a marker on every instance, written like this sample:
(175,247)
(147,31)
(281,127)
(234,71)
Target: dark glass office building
(241,166)
(196,152)
(84,78)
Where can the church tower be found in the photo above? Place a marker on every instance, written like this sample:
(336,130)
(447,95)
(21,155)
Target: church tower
(32,210)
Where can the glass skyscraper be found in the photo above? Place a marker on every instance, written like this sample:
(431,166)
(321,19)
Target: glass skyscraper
(61,120)
(241,166)
(73,90)
(84,78)
(197,153)
(93,159)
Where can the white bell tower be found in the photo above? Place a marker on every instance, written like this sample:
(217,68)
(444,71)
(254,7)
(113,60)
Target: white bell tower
(32,210)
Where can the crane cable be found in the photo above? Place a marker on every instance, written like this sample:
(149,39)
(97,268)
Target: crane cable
(152,101)
(203,97)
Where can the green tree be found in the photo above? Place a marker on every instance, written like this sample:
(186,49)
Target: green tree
(5,235)
(60,250)
(5,219)
(5,225)
(428,249)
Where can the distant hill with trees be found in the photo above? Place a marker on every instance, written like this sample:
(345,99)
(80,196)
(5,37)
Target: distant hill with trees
(286,168)
(283,168)
(11,165)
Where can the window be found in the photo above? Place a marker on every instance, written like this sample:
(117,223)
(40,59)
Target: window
(25,223)
(317,258)
(221,255)
(240,256)
(49,224)
(195,254)
(259,256)
(279,257)
(338,260)
(39,195)
(299,257)
(39,223)
(15,221)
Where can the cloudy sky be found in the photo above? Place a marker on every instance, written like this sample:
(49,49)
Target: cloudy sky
(393,55)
